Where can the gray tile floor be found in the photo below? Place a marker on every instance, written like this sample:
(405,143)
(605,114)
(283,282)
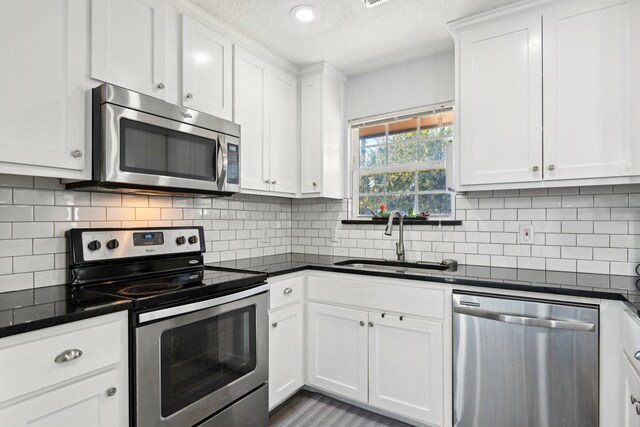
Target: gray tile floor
(307,409)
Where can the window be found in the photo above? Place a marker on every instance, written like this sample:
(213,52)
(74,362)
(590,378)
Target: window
(402,162)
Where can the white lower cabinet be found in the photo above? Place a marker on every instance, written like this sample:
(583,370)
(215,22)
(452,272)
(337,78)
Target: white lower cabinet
(362,345)
(337,344)
(285,353)
(631,394)
(84,403)
(75,374)
(406,366)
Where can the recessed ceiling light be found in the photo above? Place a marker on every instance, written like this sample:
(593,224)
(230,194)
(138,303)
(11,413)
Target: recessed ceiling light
(304,13)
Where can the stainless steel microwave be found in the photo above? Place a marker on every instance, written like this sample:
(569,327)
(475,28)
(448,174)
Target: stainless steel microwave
(147,146)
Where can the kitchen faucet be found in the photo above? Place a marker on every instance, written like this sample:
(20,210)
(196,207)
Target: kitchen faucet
(389,229)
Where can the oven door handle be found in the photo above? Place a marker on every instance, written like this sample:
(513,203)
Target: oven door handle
(201,305)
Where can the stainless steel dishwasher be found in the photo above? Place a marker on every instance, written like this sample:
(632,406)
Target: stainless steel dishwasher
(524,362)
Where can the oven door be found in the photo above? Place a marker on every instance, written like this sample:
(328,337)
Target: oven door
(147,150)
(193,364)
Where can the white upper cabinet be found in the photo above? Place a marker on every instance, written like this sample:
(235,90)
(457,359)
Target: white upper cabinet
(322,169)
(591,89)
(128,44)
(500,102)
(250,113)
(283,130)
(265,107)
(44,85)
(572,127)
(206,69)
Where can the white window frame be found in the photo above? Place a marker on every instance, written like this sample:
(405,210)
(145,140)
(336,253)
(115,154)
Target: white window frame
(354,144)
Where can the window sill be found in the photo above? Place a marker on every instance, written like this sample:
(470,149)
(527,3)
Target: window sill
(444,222)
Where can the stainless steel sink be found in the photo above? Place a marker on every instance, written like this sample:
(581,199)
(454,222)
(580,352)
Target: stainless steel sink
(399,266)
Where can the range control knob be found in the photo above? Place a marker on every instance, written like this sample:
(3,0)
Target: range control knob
(94,245)
(112,244)
(193,239)
(181,240)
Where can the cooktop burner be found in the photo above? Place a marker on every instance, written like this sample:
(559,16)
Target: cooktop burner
(147,290)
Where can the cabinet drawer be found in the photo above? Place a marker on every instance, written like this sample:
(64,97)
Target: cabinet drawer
(631,338)
(425,301)
(285,292)
(27,361)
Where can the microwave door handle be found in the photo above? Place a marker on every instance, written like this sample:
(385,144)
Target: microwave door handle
(222,175)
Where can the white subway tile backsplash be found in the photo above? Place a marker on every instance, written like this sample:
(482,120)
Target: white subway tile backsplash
(72,198)
(577,201)
(22,230)
(10,213)
(16,282)
(89,214)
(106,199)
(27,196)
(24,264)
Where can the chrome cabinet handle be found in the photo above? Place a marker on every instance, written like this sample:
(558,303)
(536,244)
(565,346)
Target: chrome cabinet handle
(361,323)
(266,181)
(76,153)
(189,95)
(274,324)
(315,184)
(535,169)
(551,167)
(371,324)
(111,391)
(638,409)
(634,400)
(160,85)
(274,182)
(68,355)
(636,355)
(287,291)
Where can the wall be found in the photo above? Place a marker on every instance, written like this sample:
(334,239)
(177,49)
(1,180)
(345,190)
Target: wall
(418,83)
(36,212)
(580,229)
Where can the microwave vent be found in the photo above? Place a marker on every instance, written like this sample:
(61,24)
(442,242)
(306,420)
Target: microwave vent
(373,3)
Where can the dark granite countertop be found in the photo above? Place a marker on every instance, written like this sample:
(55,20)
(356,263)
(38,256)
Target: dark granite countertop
(604,286)
(31,309)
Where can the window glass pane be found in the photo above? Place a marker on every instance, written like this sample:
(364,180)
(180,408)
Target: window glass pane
(374,156)
(370,205)
(403,203)
(434,149)
(372,140)
(401,182)
(435,179)
(437,132)
(436,204)
(403,131)
(403,153)
(372,184)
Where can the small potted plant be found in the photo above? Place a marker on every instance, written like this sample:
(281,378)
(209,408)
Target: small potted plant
(381,213)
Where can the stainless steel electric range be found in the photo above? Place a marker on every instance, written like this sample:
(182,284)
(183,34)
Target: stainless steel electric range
(199,338)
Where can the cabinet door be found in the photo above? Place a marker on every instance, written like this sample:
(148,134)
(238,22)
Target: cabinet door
(83,404)
(591,89)
(337,350)
(311,134)
(285,353)
(631,408)
(406,367)
(206,69)
(283,119)
(127,44)
(500,100)
(249,112)
(44,85)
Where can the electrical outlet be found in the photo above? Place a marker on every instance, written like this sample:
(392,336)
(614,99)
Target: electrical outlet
(334,234)
(265,235)
(526,235)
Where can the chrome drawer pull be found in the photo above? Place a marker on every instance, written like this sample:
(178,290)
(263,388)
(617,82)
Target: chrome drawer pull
(287,291)
(111,391)
(634,400)
(68,355)
(636,355)
(274,324)
(638,409)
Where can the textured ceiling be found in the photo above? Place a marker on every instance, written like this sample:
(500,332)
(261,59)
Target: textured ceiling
(349,36)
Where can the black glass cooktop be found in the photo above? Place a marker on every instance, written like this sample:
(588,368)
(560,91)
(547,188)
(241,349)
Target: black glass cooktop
(164,289)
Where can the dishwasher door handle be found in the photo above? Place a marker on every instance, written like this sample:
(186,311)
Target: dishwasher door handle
(573,325)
